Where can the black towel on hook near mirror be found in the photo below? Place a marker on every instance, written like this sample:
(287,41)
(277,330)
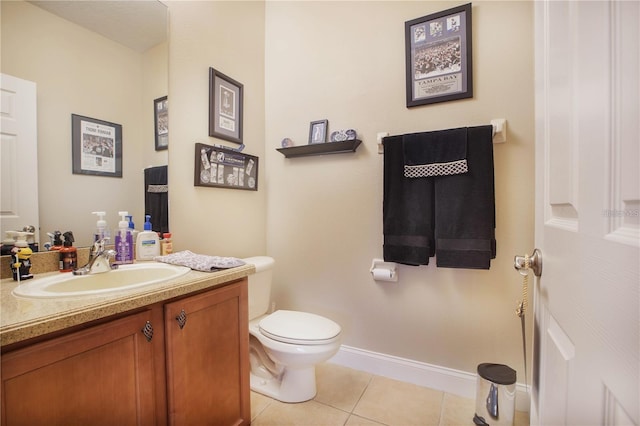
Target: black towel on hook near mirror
(156,197)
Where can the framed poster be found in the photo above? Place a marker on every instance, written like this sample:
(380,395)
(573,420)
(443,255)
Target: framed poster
(225,107)
(438,57)
(161,122)
(226,168)
(96,147)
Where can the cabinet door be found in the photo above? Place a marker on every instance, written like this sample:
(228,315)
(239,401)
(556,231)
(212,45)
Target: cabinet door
(208,358)
(99,376)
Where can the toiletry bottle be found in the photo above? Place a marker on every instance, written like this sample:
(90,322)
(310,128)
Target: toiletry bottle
(56,243)
(101,227)
(147,243)
(134,236)
(124,241)
(68,254)
(167,245)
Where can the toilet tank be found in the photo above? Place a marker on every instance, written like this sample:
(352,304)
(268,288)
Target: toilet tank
(260,285)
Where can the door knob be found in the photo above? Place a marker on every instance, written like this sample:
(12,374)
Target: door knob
(533,262)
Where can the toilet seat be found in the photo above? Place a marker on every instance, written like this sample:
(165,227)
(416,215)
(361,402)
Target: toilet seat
(301,328)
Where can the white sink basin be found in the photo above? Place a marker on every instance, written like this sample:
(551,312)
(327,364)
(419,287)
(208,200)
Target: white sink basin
(124,278)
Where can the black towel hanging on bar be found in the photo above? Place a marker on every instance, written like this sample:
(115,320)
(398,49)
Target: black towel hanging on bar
(448,207)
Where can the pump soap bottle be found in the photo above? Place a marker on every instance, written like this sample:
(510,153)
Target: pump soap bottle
(101,227)
(148,242)
(56,240)
(124,241)
(68,254)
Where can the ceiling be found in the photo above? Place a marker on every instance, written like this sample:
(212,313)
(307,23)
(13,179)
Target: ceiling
(137,24)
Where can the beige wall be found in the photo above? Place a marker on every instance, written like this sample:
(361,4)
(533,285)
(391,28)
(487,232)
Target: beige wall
(228,36)
(80,72)
(344,61)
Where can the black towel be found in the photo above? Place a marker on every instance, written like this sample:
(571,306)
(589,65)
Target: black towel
(438,153)
(465,208)
(156,197)
(407,210)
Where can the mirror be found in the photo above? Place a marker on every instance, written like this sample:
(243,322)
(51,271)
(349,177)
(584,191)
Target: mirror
(107,60)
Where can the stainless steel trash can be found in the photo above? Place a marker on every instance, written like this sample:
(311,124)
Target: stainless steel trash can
(495,395)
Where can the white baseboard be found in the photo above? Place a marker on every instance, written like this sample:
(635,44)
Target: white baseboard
(444,379)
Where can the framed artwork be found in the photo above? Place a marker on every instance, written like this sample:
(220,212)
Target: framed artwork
(438,57)
(318,131)
(161,121)
(216,166)
(96,147)
(225,107)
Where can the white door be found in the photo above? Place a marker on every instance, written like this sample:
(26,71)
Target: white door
(587,301)
(18,155)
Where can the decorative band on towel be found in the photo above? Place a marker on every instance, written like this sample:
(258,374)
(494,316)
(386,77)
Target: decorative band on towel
(158,188)
(436,169)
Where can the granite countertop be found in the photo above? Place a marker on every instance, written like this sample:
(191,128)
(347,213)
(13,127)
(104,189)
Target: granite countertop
(24,318)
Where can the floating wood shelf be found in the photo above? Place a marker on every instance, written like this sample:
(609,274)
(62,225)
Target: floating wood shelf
(321,148)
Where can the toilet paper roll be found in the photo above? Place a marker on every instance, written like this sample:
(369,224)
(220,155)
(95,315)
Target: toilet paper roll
(382,274)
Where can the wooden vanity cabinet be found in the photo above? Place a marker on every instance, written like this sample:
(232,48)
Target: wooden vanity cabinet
(207,358)
(112,374)
(103,375)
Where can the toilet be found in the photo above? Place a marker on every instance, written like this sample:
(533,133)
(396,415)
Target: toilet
(285,346)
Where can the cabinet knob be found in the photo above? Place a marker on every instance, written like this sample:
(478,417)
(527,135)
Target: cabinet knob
(147,330)
(182,319)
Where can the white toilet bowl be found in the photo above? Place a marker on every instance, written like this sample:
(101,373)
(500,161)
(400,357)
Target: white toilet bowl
(284,349)
(285,346)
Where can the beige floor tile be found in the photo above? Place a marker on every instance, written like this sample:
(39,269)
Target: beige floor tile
(360,421)
(522,418)
(310,413)
(339,386)
(398,403)
(457,410)
(258,403)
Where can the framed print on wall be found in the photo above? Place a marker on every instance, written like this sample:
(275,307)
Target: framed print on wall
(225,107)
(438,57)
(161,121)
(96,147)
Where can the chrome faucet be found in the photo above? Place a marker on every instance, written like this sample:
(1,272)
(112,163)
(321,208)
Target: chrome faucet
(100,260)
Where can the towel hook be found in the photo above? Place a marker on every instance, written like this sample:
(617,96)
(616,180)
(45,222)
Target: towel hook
(535,263)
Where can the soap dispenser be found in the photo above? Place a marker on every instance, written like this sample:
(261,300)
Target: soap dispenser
(101,227)
(68,254)
(124,241)
(56,240)
(148,242)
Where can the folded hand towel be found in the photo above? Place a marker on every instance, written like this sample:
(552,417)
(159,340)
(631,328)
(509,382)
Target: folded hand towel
(438,153)
(465,211)
(407,211)
(200,262)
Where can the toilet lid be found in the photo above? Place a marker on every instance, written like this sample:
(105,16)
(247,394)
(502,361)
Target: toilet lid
(299,328)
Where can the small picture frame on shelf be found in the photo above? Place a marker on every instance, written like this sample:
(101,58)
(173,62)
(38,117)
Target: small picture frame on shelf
(318,131)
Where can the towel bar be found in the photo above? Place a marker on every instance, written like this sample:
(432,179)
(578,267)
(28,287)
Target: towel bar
(499,133)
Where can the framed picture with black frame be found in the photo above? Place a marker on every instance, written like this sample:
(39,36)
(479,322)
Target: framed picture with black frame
(161,122)
(318,131)
(96,146)
(225,107)
(439,57)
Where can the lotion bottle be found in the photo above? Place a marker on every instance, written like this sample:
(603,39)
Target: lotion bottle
(147,242)
(124,241)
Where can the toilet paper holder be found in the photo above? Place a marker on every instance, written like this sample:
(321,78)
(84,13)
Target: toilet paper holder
(384,271)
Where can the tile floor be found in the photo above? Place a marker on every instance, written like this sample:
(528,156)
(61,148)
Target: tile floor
(354,398)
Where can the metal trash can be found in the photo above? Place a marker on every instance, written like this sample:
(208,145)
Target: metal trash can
(495,395)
